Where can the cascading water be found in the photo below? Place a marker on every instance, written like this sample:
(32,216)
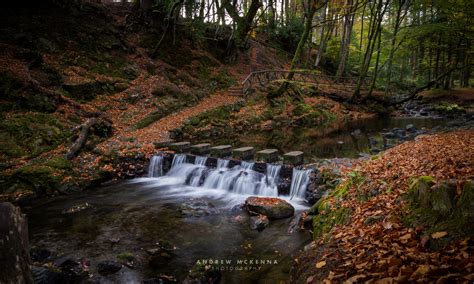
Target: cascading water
(155,169)
(241,180)
(273,174)
(200,161)
(222,163)
(178,159)
(299,182)
(246,165)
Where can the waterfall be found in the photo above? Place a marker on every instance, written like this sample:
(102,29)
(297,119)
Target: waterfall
(242,180)
(273,174)
(246,165)
(299,182)
(200,160)
(155,169)
(178,159)
(221,163)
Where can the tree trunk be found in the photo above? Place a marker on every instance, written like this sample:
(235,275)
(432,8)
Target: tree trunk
(244,24)
(14,247)
(346,37)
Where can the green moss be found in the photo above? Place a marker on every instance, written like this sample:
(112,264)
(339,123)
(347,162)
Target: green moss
(327,218)
(59,163)
(27,135)
(126,256)
(39,179)
(437,208)
(449,108)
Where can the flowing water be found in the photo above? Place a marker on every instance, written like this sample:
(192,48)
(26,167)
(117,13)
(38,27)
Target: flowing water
(192,207)
(156,167)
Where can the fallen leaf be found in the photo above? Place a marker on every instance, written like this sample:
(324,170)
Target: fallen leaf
(439,235)
(320,264)
(405,237)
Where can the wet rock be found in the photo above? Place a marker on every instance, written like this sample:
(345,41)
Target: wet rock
(197,208)
(273,208)
(108,267)
(40,254)
(259,222)
(284,186)
(410,127)
(77,208)
(43,275)
(201,273)
(314,193)
(14,246)
(356,132)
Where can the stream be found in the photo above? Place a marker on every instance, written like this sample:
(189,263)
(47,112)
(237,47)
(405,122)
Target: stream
(192,214)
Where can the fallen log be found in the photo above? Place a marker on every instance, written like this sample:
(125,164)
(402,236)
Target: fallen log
(85,129)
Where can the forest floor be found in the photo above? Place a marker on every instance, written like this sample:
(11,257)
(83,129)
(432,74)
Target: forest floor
(380,231)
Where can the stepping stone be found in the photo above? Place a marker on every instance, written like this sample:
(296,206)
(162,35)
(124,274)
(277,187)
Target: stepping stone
(267,155)
(179,146)
(221,151)
(201,149)
(294,158)
(163,144)
(244,153)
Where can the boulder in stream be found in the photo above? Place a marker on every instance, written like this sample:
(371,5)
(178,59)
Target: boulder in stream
(273,208)
(108,267)
(14,247)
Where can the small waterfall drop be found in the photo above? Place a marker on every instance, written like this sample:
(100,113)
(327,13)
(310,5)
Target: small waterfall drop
(200,160)
(299,182)
(273,174)
(155,169)
(178,159)
(246,165)
(222,163)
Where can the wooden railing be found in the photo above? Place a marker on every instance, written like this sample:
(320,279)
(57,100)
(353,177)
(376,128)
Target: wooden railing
(264,77)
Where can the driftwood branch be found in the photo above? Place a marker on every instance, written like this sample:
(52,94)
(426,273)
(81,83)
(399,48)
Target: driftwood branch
(81,140)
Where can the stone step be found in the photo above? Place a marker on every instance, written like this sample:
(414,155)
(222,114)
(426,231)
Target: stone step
(221,151)
(243,153)
(180,146)
(267,155)
(294,158)
(201,149)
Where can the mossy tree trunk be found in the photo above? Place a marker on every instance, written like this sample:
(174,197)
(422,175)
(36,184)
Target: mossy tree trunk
(312,7)
(244,23)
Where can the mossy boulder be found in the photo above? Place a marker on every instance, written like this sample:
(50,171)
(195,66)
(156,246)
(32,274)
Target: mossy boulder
(30,134)
(441,206)
(273,208)
(37,179)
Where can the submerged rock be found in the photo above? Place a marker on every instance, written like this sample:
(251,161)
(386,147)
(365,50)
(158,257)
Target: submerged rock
(108,267)
(197,208)
(259,222)
(273,208)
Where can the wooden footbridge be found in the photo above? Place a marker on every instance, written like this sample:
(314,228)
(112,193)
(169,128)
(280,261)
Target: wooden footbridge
(308,77)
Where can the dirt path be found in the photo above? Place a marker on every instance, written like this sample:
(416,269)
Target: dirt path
(159,130)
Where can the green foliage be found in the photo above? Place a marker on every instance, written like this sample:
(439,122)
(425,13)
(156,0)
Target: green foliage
(39,179)
(288,35)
